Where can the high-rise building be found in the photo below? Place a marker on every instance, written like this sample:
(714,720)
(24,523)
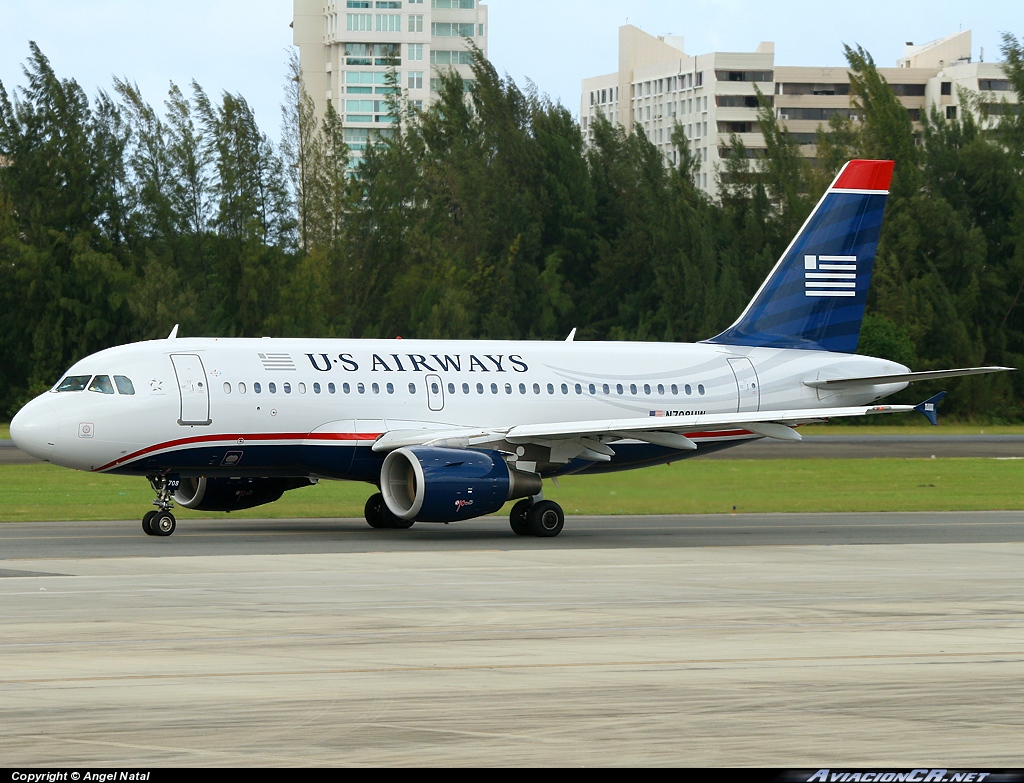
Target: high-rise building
(714,96)
(346,48)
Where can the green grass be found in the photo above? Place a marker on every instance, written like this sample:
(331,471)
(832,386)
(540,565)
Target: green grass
(44,492)
(5,431)
(911,427)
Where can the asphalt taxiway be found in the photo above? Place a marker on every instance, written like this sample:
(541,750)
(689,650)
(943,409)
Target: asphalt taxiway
(777,640)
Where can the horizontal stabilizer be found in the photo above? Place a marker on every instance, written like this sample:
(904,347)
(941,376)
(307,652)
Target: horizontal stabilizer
(906,377)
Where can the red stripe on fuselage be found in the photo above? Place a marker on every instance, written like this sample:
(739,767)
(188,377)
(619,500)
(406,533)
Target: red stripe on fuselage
(241,440)
(358,437)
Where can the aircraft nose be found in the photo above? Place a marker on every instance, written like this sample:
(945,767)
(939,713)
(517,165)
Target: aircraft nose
(34,429)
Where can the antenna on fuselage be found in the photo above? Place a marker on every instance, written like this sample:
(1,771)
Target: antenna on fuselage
(572,335)
(174,333)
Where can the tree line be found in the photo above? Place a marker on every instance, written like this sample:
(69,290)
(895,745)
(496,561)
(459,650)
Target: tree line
(484,216)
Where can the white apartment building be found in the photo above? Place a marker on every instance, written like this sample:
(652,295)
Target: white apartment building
(347,46)
(713,95)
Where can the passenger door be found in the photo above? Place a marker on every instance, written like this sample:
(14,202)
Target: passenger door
(193,389)
(748,395)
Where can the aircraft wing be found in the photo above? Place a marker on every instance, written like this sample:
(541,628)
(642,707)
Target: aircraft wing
(907,377)
(588,439)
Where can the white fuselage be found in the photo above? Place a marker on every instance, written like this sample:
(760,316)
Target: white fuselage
(293,407)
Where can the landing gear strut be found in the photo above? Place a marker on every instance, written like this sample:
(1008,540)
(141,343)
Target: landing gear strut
(378,515)
(160,522)
(544,519)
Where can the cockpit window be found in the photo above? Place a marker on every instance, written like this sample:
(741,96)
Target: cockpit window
(101,384)
(73,383)
(124,385)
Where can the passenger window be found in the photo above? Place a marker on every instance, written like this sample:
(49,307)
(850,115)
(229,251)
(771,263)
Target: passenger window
(227,388)
(565,389)
(73,383)
(257,388)
(647,388)
(287,388)
(593,389)
(465,388)
(605,389)
(391,388)
(522,388)
(579,389)
(125,385)
(331,388)
(272,388)
(508,388)
(361,388)
(101,384)
(551,388)
(412,388)
(241,388)
(687,389)
(479,388)
(344,387)
(632,388)
(302,388)
(675,389)
(618,388)
(536,388)
(451,388)
(661,388)
(494,388)
(316,388)
(375,387)
(700,388)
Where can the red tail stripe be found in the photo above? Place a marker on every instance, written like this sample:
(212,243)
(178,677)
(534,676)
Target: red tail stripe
(865,175)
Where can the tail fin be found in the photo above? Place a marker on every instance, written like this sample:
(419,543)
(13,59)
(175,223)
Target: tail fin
(814,298)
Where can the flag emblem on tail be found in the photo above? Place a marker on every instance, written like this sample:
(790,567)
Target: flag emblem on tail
(830,275)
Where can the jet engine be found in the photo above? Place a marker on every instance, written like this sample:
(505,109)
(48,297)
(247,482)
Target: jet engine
(233,494)
(428,484)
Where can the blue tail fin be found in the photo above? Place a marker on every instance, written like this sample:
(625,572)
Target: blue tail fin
(814,298)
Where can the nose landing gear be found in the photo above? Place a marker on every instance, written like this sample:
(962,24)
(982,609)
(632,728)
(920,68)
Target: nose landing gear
(161,522)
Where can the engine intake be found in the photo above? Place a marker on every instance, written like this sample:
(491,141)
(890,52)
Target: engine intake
(233,494)
(428,484)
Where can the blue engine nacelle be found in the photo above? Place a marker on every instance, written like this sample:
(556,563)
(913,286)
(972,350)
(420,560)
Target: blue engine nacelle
(428,484)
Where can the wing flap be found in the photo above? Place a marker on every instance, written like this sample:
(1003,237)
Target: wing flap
(669,431)
(527,433)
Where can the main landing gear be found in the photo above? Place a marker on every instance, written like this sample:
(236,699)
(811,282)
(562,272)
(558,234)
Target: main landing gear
(378,515)
(544,519)
(160,522)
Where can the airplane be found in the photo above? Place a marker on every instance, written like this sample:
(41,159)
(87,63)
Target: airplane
(453,430)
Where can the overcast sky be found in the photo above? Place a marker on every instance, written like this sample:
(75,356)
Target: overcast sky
(241,45)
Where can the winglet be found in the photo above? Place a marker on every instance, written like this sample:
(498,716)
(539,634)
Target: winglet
(929,408)
(572,335)
(174,333)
